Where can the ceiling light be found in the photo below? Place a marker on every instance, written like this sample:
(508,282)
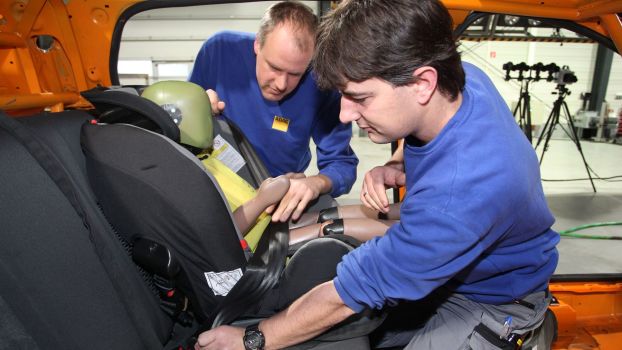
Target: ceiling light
(511,20)
(533,22)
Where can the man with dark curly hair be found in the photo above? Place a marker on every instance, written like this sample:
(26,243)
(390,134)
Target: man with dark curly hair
(474,241)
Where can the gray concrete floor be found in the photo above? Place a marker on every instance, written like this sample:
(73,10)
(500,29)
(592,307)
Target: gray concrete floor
(572,202)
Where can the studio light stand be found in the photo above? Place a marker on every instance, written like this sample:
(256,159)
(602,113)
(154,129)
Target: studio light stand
(553,120)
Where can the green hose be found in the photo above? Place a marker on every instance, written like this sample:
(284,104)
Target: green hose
(568,232)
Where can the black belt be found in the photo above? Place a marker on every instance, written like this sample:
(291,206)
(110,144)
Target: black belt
(529,305)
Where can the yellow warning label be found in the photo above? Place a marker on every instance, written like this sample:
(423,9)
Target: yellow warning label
(280,123)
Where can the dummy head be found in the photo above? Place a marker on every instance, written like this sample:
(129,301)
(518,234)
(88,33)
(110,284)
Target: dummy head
(189,107)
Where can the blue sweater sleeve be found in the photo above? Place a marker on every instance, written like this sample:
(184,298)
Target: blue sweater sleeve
(403,265)
(335,157)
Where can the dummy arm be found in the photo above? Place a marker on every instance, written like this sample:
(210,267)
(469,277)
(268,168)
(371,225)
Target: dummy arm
(270,192)
(361,211)
(347,212)
(362,229)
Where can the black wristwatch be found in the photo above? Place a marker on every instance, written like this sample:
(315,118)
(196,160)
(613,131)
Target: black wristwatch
(253,338)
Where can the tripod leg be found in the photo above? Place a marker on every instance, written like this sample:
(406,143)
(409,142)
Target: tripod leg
(550,124)
(518,110)
(546,127)
(577,142)
(527,110)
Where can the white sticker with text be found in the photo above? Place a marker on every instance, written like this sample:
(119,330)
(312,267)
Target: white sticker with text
(222,282)
(224,152)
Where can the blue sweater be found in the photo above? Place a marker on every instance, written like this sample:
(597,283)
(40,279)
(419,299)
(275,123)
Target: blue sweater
(474,218)
(226,63)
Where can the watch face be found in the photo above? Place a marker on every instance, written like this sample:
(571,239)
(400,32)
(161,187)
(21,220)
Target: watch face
(253,340)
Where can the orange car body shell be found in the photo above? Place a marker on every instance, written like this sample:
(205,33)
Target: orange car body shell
(78,59)
(82,33)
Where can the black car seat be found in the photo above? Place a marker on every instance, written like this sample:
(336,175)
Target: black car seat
(152,188)
(67,282)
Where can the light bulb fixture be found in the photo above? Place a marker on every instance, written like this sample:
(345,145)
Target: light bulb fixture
(511,20)
(534,22)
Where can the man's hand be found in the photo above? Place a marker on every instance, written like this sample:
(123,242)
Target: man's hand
(221,338)
(301,191)
(217,105)
(375,184)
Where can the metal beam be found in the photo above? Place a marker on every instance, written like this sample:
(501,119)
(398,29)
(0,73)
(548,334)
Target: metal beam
(600,79)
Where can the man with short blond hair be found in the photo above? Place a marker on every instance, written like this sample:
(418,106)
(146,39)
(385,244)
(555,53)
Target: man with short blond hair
(264,85)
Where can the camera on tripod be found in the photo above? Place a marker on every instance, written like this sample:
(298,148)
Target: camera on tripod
(532,73)
(561,76)
(565,76)
(551,69)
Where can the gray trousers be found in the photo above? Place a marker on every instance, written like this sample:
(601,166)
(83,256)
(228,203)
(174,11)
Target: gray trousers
(453,322)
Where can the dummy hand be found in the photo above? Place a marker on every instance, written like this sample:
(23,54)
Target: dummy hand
(301,191)
(375,184)
(272,190)
(217,105)
(221,338)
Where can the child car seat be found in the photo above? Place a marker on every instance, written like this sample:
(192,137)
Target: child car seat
(151,187)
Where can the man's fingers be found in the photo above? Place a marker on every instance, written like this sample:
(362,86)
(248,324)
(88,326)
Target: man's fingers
(302,205)
(374,194)
(372,201)
(270,209)
(400,179)
(380,193)
(289,208)
(281,213)
(367,197)
(220,106)
(204,339)
(276,215)
(301,192)
(217,105)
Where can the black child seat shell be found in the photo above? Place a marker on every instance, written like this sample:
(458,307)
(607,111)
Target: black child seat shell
(151,187)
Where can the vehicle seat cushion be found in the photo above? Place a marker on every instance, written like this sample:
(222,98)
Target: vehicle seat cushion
(53,279)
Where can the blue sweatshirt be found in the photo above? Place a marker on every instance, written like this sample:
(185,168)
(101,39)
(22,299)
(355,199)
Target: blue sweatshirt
(226,64)
(474,217)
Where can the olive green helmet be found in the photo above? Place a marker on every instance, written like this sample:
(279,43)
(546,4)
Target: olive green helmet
(188,105)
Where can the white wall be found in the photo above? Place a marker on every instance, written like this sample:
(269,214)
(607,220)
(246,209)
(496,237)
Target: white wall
(176,34)
(168,37)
